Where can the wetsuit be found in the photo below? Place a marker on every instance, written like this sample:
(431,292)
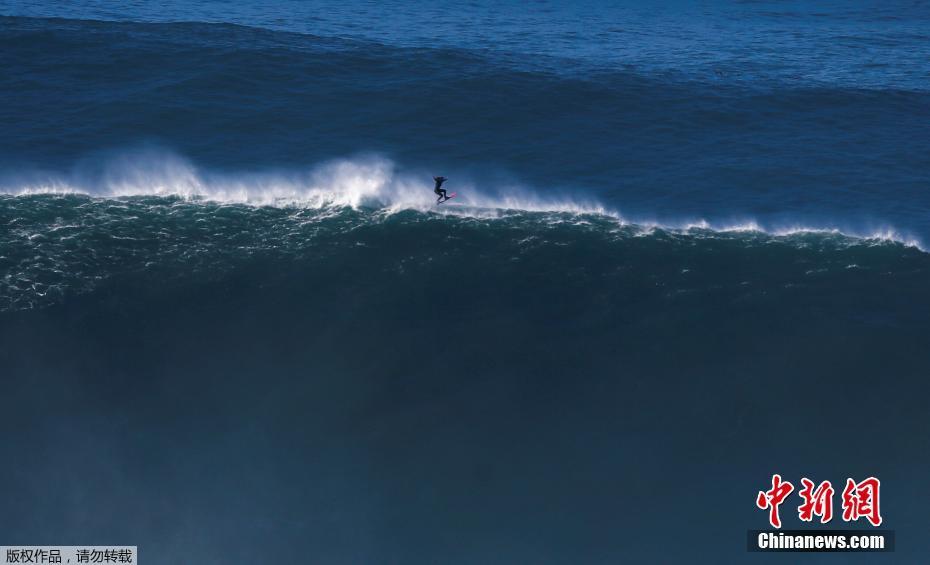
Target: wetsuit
(438,190)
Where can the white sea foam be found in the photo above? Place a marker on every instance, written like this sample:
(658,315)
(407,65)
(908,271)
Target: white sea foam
(371,182)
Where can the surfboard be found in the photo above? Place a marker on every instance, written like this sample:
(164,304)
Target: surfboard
(451,196)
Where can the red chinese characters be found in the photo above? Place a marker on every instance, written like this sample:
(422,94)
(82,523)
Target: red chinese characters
(773,498)
(861,500)
(817,502)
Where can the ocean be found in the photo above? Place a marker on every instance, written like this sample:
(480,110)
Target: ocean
(689,250)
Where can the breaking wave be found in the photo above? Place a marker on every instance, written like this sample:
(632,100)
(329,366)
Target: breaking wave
(370,182)
(167,222)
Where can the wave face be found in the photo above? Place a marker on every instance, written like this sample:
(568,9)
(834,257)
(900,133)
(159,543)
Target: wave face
(58,246)
(688,251)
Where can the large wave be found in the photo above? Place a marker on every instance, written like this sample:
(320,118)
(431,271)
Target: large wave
(157,216)
(370,181)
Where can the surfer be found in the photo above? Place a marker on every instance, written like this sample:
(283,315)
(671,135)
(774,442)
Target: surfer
(439,190)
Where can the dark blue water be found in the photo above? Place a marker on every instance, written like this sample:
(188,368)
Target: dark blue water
(687,252)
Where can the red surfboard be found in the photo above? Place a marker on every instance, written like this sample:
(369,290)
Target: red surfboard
(451,196)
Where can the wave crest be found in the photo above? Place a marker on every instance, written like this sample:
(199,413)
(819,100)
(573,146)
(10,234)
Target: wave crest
(367,181)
